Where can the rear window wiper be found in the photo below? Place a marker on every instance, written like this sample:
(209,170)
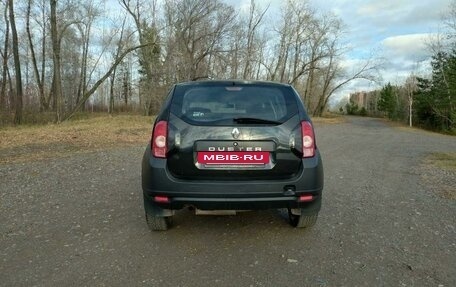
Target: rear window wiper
(255,121)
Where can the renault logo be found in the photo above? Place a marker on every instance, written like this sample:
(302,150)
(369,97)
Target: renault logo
(235,133)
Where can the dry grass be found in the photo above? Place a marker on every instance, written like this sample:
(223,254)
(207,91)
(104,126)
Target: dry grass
(443,160)
(329,120)
(19,144)
(439,173)
(29,143)
(416,129)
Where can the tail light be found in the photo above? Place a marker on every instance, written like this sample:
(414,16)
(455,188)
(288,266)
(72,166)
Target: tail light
(308,139)
(159,139)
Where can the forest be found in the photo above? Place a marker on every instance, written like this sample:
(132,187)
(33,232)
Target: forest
(427,101)
(61,58)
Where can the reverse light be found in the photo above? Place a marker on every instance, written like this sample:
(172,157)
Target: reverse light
(308,139)
(159,138)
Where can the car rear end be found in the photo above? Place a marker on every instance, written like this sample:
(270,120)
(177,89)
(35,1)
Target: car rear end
(232,145)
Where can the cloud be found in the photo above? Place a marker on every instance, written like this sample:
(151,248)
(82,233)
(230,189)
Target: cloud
(376,8)
(374,20)
(244,5)
(389,13)
(403,55)
(410,47)
(406,54)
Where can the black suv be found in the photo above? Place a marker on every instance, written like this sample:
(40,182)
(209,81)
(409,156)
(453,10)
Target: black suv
(232,145)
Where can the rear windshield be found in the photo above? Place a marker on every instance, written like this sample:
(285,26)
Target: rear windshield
(220,104)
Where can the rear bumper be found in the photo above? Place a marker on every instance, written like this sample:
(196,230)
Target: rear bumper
(231,195)
(252,203)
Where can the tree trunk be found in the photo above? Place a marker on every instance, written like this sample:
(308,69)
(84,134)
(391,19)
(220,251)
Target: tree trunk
(43,56)
(17,67)
(85,33)
(111,92)
(92,90)
(57,81)
(43,104)
(309,86)
(113,75)
(5,62)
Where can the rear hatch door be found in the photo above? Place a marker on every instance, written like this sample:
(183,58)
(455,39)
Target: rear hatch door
(226,131)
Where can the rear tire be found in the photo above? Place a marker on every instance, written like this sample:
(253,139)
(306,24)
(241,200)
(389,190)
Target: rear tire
(302,221)
(158,223)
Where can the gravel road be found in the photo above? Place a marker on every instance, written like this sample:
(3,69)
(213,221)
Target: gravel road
(78,221)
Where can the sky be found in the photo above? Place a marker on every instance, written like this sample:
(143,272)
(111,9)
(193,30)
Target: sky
(395,30)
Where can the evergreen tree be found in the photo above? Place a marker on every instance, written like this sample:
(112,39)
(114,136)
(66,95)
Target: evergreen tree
(352,108)
(436,98)
(387,102)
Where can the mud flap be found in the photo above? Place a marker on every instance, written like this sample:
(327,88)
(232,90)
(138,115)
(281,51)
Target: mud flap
(311,208)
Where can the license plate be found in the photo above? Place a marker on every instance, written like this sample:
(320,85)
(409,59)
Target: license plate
(257,157)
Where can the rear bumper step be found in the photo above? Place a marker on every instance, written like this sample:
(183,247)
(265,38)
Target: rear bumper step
(215,212)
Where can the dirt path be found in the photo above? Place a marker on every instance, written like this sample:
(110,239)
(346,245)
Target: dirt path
(79,221)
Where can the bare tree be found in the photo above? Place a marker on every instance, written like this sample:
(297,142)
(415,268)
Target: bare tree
(90,13)
(301,49)
(410,86)
(63,33)
(5,55)
(100,81)
(278,67)
(300,43)
(366,70)
(174,40)
(307,41)
(199,28)
(56,38)
(39,77)
(231,65)
(450,21)
(17,66)
(254,21)
(149,54)
(119,48)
